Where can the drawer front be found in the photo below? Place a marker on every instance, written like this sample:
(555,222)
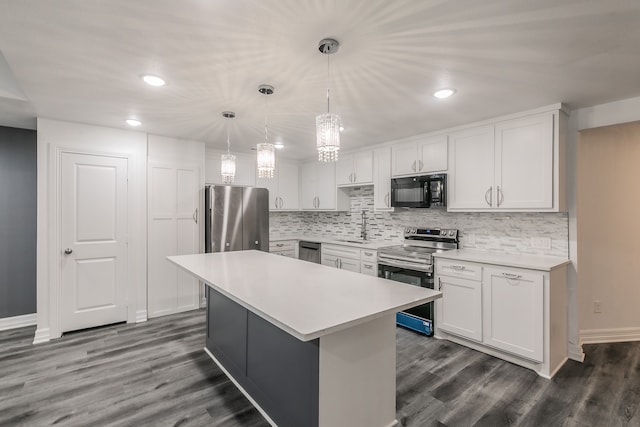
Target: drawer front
(369,255)
(461,269)
(369,268)
(282,245)
(341,251)
(288,253)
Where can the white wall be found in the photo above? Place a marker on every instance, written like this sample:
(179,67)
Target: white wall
(54,136)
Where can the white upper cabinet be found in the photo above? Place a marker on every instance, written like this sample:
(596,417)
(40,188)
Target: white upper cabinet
(245,168)
(511,165)
(355,169)
(283,187)
(524,163)
(382,179)
(318,189)
(470,179)
(418,158)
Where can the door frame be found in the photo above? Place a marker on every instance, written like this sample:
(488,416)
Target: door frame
(55,235)
(55,137)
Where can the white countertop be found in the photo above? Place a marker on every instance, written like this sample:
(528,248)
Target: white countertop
(531,262)
(306,300)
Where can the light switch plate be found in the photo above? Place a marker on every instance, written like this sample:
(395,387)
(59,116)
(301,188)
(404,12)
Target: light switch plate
(470,239)
(541,242)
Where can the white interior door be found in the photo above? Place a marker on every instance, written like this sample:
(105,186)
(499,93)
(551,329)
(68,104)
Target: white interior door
(93,197)
(174,195)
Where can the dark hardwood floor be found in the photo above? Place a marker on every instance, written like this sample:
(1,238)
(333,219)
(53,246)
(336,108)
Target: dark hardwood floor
(157,374)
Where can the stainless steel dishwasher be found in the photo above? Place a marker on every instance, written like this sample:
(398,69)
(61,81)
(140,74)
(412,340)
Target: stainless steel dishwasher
(309,251)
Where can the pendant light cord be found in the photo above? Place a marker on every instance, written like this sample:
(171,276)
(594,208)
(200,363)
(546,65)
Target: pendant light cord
(228,141)
(328,82)
(266,106)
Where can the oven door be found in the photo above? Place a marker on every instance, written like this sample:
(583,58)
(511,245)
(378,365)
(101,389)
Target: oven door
(418,318)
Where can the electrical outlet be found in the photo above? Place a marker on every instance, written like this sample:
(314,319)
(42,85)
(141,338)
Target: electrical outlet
(470,239)
(597,308)
(541,243)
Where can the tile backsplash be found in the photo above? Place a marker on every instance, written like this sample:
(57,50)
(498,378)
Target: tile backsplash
(488,231)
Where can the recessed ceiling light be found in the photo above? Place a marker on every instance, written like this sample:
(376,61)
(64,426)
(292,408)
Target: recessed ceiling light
(153,80)
(444,93)
(133,122)
(279,145)
(341,128)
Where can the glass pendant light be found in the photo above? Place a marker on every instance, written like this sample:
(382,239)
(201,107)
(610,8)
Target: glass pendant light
(266,151)
(228,161)
(328,125)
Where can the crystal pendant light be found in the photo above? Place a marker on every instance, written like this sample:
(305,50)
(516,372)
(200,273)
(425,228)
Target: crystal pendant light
(266,151)
(328,125)
(228,161)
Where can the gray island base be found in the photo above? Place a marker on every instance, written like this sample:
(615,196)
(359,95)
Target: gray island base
(307,344)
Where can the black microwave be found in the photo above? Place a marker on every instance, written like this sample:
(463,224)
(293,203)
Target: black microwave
(427,191)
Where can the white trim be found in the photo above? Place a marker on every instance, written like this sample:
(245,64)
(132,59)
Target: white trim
(246,394)
(576,353)
(17,321)
(141,316)
(41,336)
(596,336)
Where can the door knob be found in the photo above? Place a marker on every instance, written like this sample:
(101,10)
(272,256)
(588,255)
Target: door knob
(257,243)
(68,251)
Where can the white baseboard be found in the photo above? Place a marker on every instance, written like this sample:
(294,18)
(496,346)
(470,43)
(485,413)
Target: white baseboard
(576,353)
(595,336)
(42,335)
(141,316)
(17,321)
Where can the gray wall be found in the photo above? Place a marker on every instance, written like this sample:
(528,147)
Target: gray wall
(17,222)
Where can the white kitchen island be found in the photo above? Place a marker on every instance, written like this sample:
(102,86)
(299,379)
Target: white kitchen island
(309,345)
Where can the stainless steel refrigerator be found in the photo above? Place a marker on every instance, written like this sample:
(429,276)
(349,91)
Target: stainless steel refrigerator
(236,218)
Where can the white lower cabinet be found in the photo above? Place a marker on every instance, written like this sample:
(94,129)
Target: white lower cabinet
(350,258)
(284,247)
(460,310)
(513,315)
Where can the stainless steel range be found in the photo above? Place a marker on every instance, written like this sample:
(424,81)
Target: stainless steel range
(412,263)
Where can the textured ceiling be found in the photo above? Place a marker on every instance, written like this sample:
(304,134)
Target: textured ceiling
(81,61)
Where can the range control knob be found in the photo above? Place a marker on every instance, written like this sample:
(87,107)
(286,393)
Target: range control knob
(452,233)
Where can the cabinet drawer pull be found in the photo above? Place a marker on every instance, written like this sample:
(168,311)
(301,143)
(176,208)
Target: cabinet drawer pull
(368,266)
(458,267)
(368,253)
(512,276)
(279,245)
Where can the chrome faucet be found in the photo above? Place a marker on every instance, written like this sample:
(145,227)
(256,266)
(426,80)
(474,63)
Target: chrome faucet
(363,225)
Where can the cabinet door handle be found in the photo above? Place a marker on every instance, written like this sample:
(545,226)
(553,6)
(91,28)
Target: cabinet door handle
(195,216)
(512,276)
(439,284)
(413,165)
(275,203)
(318,202)
(489,193)
(500,196)
(336,262)
(354,177)
(340,262)
(386,200)
(420,164)
(281,202)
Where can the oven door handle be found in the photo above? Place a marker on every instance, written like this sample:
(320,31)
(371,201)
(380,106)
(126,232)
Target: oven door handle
(423,268)
(401,258)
